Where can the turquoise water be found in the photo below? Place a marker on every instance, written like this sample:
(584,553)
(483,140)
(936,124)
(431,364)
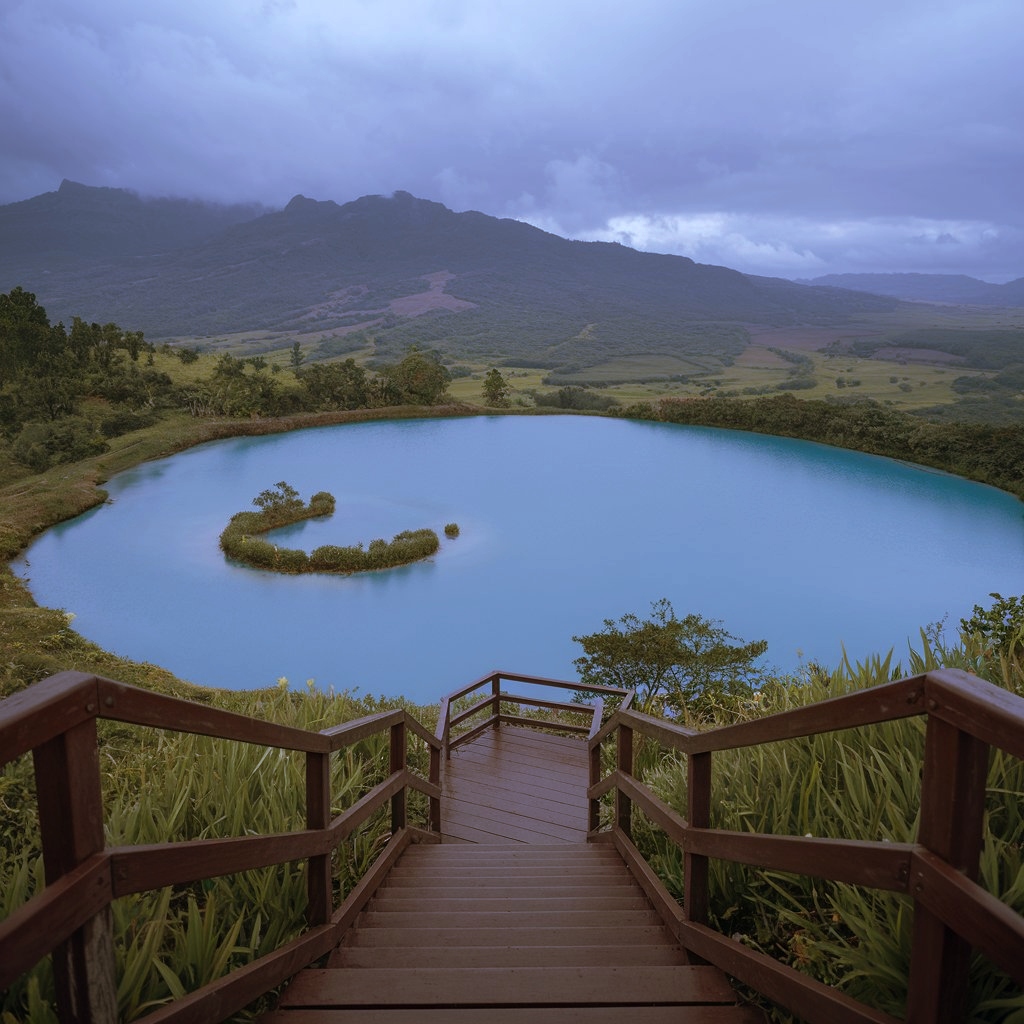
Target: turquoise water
(565,521)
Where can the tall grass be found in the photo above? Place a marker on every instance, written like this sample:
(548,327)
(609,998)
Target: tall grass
(162,786)
(855,784)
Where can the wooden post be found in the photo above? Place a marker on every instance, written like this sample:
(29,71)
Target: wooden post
(496,704)
(319,874)
(623,805)
(952,816)
(695,869)
(398,765)
(595,778)
(67,771)
(434,824)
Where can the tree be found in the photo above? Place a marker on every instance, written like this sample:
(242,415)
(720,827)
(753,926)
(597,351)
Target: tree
(281,499)
(335,385)
(999,629)
(680,665)
(496,389)
(297,357)
(419,379)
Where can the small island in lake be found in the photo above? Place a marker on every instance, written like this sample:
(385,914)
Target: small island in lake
(281,506)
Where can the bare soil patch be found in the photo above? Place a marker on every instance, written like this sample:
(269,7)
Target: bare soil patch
(435,297)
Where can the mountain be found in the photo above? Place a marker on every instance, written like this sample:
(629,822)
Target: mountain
(957,289)
(78,223)
(388,271)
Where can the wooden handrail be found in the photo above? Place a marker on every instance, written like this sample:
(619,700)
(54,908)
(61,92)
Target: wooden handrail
(56,718)
(496,697)
(952,912)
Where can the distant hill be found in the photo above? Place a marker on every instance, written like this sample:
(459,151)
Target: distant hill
(78,224)
(387,271)
(946,288)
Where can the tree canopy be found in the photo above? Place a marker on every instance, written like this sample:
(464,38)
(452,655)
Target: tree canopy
(678,665)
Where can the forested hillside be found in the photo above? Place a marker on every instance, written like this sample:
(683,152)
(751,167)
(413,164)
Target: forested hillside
(388,271)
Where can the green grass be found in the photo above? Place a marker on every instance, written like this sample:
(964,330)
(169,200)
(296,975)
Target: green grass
(854,784)
(161,786)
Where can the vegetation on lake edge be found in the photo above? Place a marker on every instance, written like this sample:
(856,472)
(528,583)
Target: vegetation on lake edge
(281,506)
(977,451)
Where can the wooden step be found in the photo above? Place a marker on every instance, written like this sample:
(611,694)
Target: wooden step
(596,917)
(534,1015)
(506,986)
(507,956)
(511,854)
(496,936)
(552,903)
(485,890)
(458,871)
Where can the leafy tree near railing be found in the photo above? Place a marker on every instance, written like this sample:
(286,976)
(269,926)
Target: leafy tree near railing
(684,666)
(999,628)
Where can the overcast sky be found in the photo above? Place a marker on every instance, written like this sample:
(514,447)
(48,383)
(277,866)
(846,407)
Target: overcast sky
(785,137)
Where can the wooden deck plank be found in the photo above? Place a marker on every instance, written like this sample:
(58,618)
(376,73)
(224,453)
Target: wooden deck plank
(470,919)
(548,874)
(654,935)
(497,793)
(515,891)
(508,956)
(536,1015)
(513,853)
(470,812)
(500,905)
(520,763)
(504,986)
(516,785)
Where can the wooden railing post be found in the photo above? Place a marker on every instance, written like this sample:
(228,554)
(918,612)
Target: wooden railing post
(444,727)
(67,772)
(695,869)
(496,707)
(624,762)
(952,817)
(319,875)
(595,777)
(398,816)
(434,824)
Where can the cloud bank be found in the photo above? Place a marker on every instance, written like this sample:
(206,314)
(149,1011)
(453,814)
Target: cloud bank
(789,138)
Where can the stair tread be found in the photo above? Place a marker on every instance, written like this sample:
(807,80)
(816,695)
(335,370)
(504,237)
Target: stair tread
(507,956)
(417,919)
(494,936)
(514,1015)
(509,986)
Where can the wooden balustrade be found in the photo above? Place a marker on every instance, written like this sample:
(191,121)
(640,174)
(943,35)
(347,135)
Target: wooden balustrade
(952,913)
(55,720)
(567,717)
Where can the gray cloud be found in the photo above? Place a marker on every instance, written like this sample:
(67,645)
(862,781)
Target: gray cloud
(781,138)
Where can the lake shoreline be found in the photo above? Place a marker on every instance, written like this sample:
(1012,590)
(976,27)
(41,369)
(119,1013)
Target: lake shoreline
(45,500)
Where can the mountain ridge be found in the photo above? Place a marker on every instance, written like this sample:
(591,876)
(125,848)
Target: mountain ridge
(177,268)
(955,289)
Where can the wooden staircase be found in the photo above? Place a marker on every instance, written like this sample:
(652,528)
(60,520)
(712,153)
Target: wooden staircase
(496,934)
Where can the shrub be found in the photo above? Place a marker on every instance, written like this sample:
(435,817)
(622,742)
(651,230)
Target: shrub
(335,558)
(451,529)
(322,504)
